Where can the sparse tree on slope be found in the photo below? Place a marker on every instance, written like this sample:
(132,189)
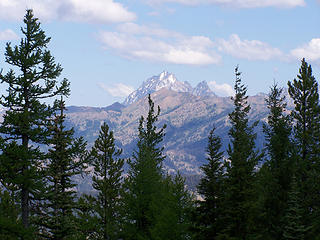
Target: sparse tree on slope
(32,80)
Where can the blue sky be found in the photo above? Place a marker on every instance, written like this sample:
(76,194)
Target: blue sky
(109,47)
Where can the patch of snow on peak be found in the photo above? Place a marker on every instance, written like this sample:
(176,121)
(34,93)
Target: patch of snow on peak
(155,83)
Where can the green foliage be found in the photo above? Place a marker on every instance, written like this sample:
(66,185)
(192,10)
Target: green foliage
(304,92)
(11,227)
(66,159)
(172,211)
(294,228)
(274,176)
(107,180)
(144,183)
(32,80)
(240,175)
(208,212)
(87,219)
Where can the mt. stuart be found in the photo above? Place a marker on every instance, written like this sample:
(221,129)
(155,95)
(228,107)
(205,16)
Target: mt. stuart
(189,113)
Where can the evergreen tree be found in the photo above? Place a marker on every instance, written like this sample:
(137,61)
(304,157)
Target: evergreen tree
(144,184)
(32,80)
(208,212)
(66,159)
(294,228)
(87,219)
(277,170)
(240,167)
(173,214)
(10,225)
(107,181)
(306,114)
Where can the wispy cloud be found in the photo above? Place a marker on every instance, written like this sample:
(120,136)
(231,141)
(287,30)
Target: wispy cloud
(153,43)
(247,49)
(144,30)
(117,90)
(239,3)
(223,89)
(160,45)
(310,51)
(104,11)
(7,35)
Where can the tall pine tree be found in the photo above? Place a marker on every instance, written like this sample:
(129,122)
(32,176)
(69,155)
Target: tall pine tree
(240,175)
(275,174)
(144,184)
(32,80)
(305,93)
(107,181)
(208,212)
(67,158)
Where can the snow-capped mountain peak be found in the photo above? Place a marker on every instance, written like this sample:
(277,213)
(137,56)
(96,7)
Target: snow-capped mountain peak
(155,83)
(169,81)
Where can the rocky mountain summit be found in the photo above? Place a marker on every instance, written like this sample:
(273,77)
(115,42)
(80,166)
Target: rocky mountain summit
(203,90)
(169,81)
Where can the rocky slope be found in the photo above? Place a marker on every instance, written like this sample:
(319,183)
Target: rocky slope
(189,113)
(189,119)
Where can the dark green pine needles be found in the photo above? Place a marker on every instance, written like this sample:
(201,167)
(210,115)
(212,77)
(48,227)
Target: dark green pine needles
(240,169)
(144,184)
(210,188)
(67,158)
(306,115)
(107,181)
(32,80)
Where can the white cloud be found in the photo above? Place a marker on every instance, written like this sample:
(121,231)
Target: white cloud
(117,90)
(104,11)
(144,30)
(247,49)
(221,89)
(239,3)
(7,35)
(155,44)
(310,51)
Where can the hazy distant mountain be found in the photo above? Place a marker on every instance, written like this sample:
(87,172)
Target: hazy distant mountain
(189,113)
(170,82)
(202,89)
(189,119)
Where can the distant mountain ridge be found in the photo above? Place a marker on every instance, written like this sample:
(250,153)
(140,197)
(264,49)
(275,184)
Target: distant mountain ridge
(203,90)
(189,113)
(169,81)
(189,119)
